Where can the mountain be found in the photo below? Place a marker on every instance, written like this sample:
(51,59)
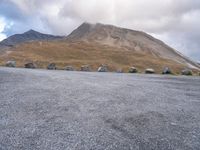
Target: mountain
(130,40)
(28,36)
(97,44)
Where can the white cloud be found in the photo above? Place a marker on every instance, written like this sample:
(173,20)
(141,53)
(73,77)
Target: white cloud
(174,21)
(2,26)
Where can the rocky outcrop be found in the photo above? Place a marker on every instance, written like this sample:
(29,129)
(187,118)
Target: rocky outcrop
(103,68)
(85,68)
(69,68)
(149,71)
(133,70)
(30,65)
(187,72)
(167,70)
(11,64)
(117,37)
(52,66)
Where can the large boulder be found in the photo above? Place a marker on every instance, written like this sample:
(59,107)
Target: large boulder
(149,71)
(69,68)
(52,66)
(10,64)
(103,68)
(30,65)
(85,68)
(167,70)
(133,70)
(187,72)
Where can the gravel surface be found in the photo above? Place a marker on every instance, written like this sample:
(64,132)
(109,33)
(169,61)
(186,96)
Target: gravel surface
(60,110)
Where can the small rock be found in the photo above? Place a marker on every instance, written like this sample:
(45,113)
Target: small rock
(69,68)
(30,65)
(166,70)
(187,72)
(133,70)
(10,64)
(103,68)
(149,71)
(85,68)
(52,66)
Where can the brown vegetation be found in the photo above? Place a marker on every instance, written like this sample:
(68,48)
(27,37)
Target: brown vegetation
(76,54)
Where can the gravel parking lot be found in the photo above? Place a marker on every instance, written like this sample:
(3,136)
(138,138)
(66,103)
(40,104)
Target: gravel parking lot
(60,110)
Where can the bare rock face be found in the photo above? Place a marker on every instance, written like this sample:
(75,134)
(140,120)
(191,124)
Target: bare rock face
(149,71)
(85,68)
(10,64)
(167,70)
(30,65)
(69,68)
(103,68)
(52,66)
(187,72)
(127,39)
(133,70)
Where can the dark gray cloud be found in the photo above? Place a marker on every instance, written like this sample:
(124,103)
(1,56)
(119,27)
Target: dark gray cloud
(174,21)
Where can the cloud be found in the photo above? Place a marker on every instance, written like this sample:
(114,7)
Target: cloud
(2,27)
(174,21)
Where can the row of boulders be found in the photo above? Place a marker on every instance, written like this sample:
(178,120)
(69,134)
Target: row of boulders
(166,70)
(102,68)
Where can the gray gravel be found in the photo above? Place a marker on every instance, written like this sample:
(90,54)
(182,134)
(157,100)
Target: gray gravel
(58,110)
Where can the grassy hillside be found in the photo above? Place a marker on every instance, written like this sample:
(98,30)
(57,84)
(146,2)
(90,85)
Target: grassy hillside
(65,53)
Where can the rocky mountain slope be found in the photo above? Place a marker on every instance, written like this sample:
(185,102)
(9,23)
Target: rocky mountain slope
(28,36)
(97,44)
(127,39)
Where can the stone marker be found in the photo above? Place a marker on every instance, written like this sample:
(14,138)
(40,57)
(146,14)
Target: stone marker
(10,64)
(166,70)
(85,68)
(149,71)
(187,72)
(52,66)
(103,68)
(69,68)
(30,65)
(133,70)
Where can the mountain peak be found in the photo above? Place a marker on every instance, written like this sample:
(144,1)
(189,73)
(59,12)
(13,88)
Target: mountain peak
(30,35)
(96,31)
(88,24)
(31,31)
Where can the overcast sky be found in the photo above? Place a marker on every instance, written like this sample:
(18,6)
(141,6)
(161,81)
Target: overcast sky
(176,22)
